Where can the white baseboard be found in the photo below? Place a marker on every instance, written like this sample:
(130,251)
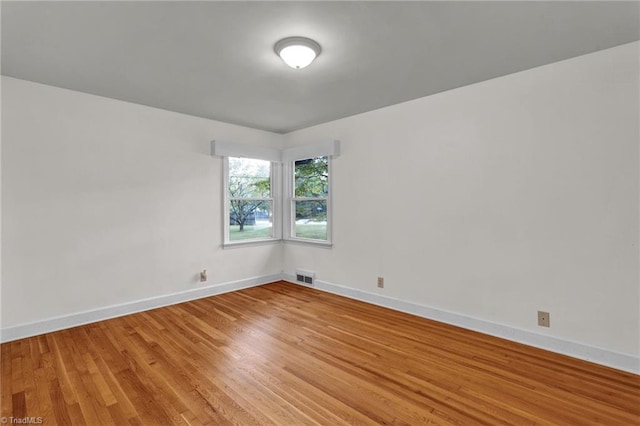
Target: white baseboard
(601,356)
(597,355)
(73,320)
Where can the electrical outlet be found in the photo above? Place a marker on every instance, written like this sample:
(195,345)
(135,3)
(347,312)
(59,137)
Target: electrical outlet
(543,319)
(203,276)
(380,282)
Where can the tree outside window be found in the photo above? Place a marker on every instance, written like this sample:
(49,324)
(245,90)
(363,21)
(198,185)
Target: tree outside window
(250,199)
(311,192)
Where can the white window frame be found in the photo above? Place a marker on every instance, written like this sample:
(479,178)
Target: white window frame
(282,161)
(289,213)
(275,199)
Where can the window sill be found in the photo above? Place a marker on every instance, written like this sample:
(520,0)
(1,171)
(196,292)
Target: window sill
(303,241)
(309,242)
(251,243)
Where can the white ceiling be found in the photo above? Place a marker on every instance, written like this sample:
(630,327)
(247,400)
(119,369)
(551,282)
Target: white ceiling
(216,59)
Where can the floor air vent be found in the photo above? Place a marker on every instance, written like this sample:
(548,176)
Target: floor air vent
(305,277)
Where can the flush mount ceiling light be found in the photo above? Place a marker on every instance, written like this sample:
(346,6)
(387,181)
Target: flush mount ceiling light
(297,52)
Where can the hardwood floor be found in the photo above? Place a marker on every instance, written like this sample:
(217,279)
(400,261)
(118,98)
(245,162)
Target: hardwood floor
(288,355)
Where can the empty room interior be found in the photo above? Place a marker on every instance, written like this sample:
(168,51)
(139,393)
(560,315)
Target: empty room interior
(335,213)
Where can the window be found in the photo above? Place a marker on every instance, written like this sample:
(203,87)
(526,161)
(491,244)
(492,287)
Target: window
(310,202)
(250,199)
(255,209)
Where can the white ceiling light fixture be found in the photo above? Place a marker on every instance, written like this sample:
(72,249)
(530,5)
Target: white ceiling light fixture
(297,52)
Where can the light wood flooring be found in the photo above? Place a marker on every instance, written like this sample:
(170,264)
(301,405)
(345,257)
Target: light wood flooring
(283,354)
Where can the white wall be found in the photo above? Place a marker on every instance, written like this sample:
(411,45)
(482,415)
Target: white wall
(497,200)
(491,201)
(106,202)
(0,199)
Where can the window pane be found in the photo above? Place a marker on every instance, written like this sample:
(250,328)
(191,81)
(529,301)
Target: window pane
(311,219)
(250,220)
(311,177)
(249,178)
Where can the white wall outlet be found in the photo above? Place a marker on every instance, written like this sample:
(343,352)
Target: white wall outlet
(543,319)
(381,282)
(203,276)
